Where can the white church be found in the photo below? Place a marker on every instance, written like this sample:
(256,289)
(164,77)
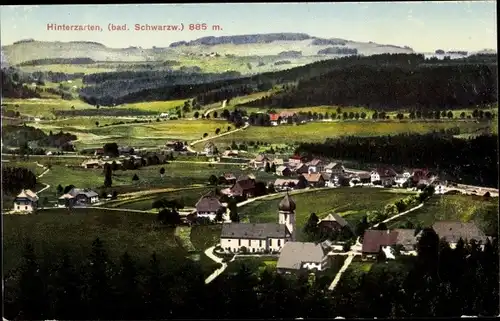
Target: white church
(261,237)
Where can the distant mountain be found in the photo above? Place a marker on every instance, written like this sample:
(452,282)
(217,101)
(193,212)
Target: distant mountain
(256,45)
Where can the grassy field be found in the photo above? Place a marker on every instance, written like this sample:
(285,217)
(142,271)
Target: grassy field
(352,203)
(132,232)
(177,175)
(69,68)
(43,107)
(456,207)
(156,106)
(318,131)
(205,236)
(189,197)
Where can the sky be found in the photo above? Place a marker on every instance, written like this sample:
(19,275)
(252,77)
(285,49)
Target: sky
(424,26)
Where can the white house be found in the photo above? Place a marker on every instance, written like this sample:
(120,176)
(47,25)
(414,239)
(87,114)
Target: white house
(164,115)
(316,166)
(79,197)
(261,237)
(297,256)
(25,202)
(383,176)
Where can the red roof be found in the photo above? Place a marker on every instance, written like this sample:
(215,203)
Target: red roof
(373,240)
(274,117)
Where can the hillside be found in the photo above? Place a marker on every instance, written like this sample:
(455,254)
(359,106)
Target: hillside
(240,45)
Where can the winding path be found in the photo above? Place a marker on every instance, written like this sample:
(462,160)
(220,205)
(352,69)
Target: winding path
(41,175)
(210,253)
(216,136)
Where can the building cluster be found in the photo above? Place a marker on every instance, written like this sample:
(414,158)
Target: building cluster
(323,173)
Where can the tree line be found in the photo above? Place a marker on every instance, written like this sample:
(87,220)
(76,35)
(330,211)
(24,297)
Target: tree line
(21,135)
(392,87)
(439,282)
(14,179)
(470,161)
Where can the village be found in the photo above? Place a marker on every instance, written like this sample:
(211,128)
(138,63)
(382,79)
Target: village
(279,239)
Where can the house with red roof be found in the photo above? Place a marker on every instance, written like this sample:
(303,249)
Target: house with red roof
(275,119)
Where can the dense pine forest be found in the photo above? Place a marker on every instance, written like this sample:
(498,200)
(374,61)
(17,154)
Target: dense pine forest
(439,282)
(475,160)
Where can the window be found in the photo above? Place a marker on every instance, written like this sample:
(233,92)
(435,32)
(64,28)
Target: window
(270,242)
(253,250)
(229,240)
(18,207)
(26,207)
(260,243)
(279,242)
(249,244)
(239,242)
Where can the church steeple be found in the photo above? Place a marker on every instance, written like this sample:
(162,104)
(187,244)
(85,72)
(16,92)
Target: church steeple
(286,214)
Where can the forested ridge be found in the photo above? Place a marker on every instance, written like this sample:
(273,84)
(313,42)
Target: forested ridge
(474,161)
(439,282)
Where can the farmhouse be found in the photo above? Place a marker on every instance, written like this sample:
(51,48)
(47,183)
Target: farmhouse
(296,160)
(79,197)
(301,169)
(333,222)
(302,256)
(92,163)
(361,178)
(383,176)
(315,166)
(407,238)
(376,240)
(315,179)
(25,202)
(261,237)
(209,206)
(227,178)
(244,186)
(453,231)
(259,161)
(335,169)
(285,184)
(283,171)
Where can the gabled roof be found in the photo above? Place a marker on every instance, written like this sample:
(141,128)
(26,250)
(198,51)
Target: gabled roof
(246,177)
(253,230)
(28,194)
(66,196)
(208,204)
(452,231)
(332,165)
(373,240)
(294,254)
(82,191)
(313,177)
(406,237)
(281,182)
(334,217)
(287,114)
(244,185)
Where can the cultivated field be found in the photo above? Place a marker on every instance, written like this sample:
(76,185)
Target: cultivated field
(319,131)
(351,203)
(484,211)
(43,107)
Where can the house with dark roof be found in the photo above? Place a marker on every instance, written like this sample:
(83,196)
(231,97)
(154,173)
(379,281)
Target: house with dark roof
(452,231)
(79,197)
(333,222)
(227,178)
(209,206)
(244,186)
(261,237)
(315,179)
(302,256)
(283,171)
(301,169)
(25,202)
(376,240)
(281,184)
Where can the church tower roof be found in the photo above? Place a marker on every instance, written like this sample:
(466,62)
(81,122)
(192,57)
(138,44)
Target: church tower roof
(287,204)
